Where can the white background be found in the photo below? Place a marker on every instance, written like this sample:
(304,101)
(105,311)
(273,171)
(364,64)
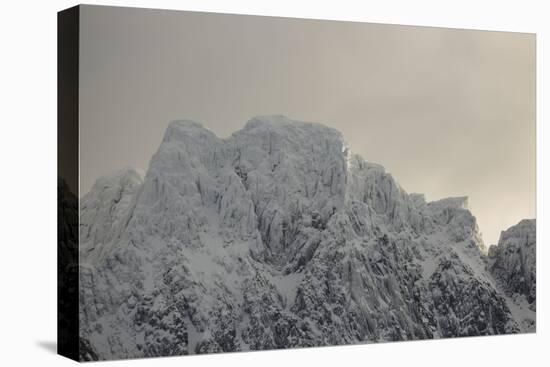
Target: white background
(28,182)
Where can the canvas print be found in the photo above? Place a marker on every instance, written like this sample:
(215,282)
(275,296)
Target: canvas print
(243,183)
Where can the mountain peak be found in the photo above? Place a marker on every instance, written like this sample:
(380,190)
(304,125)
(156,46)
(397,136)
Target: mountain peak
(179,130)
(185,123)
(459,202)
(268,120)
(513,264)
(122,177)
(286,125)
(525,228)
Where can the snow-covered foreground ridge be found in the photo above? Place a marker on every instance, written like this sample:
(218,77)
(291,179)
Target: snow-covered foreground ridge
(279,237)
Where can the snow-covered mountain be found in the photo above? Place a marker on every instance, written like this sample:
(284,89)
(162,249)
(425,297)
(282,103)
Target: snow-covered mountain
(280,237)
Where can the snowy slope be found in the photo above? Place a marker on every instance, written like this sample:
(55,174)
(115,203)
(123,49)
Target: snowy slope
(275,237)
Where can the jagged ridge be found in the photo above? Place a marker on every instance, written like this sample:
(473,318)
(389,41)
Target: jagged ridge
(276,237)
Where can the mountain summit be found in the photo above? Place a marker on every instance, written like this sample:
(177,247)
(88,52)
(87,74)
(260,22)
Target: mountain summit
(280,237)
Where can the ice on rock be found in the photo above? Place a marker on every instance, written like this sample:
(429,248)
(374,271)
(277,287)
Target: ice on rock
(278,237)
(104,212)
(461,225)
(513,264)
(293,172)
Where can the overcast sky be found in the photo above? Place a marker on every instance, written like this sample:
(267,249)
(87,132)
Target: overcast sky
(448,112)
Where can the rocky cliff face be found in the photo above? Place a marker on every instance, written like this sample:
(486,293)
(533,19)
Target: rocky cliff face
(104,213)
(276,237)
(513,264)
